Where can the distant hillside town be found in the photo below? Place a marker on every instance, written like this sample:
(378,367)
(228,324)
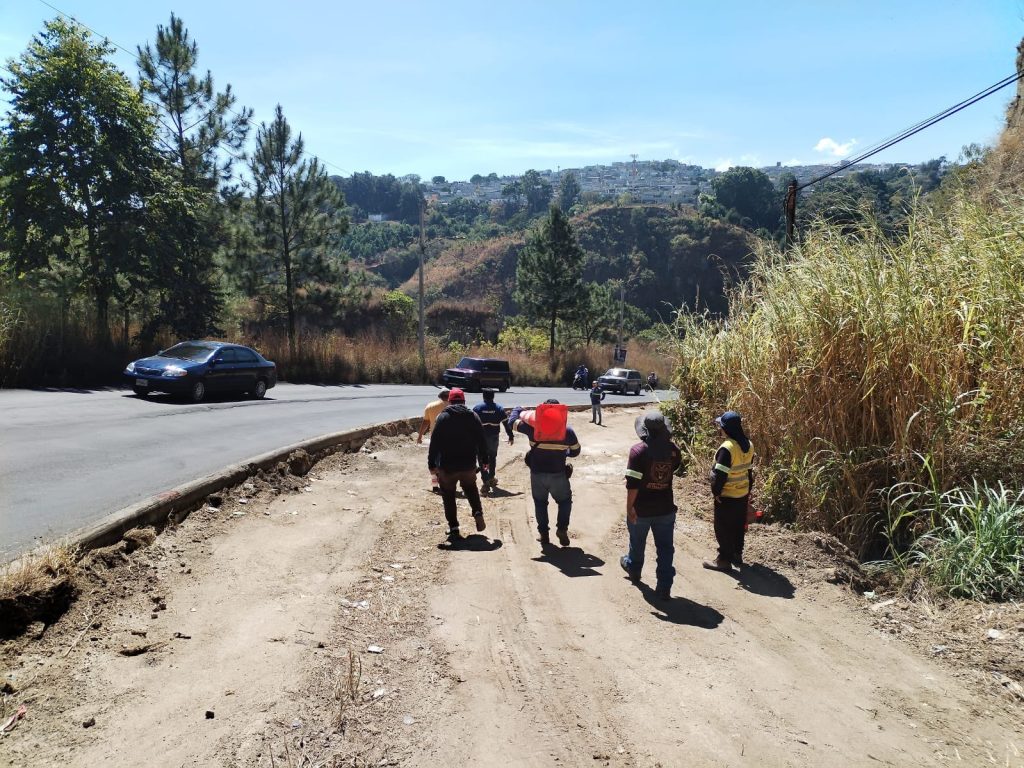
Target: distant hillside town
(646,181)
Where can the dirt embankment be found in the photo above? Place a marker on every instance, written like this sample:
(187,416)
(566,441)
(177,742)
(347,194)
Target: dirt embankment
(332,625)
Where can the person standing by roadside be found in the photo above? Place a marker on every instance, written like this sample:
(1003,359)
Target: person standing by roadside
(732,479)
(549,474)
(430,413)
(491,415)
(597,394)
(455,447)
(650,506)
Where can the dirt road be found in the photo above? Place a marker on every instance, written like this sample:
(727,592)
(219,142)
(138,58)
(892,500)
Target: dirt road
(334,626)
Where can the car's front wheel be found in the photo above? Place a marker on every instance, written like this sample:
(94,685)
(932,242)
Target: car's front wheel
(260,390)
(198,391)
(140,391)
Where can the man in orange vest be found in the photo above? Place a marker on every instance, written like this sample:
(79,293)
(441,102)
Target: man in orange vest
(732,479)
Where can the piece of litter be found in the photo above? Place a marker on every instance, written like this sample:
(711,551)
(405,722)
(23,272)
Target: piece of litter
(209,714)
(409,720)
(388,578)
(883,604)
(243,501)
(379,692)
(237,513)
(296,723)
(994,634)
(293,514)
(397,566)
(12,721)
(940,648)
(266,512)
(375,649)
(869,595)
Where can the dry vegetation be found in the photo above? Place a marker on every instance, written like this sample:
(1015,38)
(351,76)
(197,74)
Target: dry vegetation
(37,587)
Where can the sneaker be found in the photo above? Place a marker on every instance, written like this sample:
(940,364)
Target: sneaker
(563,536)
(738,562)
(478,518)
(663,594)
(544,539)
(633,575)
(435,489)
(454,535)
(718,565)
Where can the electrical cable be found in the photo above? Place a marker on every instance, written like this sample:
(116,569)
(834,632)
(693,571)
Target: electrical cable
(918,127)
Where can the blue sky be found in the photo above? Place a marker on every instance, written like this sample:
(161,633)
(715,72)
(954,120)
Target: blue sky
(453,88)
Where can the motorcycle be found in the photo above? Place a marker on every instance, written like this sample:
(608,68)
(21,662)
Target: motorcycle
(652,382)
(580,382)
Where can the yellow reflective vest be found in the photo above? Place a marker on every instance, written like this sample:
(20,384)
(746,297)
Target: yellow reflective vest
(737,481)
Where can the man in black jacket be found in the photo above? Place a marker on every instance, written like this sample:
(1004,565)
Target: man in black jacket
(456,446)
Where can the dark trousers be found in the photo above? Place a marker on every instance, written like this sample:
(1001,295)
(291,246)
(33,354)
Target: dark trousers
(447,480)
(492,455)
(557,485)
(595,412)
(730,527)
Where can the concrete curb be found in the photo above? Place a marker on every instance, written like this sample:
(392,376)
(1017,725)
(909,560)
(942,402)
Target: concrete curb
(176,504)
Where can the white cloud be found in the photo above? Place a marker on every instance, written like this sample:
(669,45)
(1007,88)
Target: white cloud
(832,147)
(725,163)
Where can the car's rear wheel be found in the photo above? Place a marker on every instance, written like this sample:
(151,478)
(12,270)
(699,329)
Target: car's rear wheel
(503,388)
(260,390)
(140,391)
(198,391)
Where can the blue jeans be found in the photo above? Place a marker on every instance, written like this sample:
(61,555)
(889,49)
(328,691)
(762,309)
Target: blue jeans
(492,455)
(595,413)
(662,527)
(556,484)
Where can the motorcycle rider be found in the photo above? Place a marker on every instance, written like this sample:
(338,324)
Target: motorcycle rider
(652,380)
(581,377)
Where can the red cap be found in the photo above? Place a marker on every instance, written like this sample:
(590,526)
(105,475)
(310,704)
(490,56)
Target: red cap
(456,395)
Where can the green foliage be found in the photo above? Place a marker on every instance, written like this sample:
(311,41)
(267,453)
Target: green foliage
(79,165)
(519,336)
(751,194)
(549,273)
(199,133)
(975,546)
(385,195)
(853,354)
(400,313)
(569,191)
(296,218)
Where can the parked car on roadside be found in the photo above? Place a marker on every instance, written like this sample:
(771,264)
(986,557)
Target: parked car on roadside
(625,381)
(198,368)
(477,373)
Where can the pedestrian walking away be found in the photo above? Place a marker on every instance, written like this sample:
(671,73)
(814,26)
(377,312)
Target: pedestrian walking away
(732,480)
(430,413)
(552,441)
(456,446)
(492,416)
(650,506)
(597,394)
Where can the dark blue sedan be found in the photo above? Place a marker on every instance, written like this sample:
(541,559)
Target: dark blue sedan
(195,368)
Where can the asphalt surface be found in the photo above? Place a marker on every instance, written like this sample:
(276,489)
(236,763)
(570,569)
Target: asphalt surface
(70,457)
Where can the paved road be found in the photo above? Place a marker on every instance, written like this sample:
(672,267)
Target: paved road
(70,457)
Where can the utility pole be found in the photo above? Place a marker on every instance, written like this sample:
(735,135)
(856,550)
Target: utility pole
(423,248)
(622,305)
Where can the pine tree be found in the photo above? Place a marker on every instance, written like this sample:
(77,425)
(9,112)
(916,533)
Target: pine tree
(296,214)
(568,191)
(549,273)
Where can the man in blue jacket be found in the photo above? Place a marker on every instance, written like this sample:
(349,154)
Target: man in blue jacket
(491,415)
(549,474)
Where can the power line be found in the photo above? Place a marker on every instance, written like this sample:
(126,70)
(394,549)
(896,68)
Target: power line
(918,127)
(135,56)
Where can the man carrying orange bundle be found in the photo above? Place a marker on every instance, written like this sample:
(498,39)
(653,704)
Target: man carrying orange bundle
(552,441)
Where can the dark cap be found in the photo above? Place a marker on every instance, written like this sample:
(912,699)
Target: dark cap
(729,417)
(456,396)
(651,423)
(551,401)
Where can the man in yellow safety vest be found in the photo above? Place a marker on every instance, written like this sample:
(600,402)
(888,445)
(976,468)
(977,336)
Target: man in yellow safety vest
(732,479)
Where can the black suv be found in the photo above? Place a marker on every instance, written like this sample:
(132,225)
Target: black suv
(622,380)
(477,373)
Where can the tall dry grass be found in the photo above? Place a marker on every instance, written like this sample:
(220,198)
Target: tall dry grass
(334,358)
(858,362)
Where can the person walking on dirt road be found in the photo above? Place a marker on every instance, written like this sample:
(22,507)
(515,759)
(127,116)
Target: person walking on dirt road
(430,413)
(492,416)
(549,473)
(597,394)
(455,447)
(650,506)
(732,479)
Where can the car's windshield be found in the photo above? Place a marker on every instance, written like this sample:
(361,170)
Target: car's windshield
(188,352)
(470,363)
(616,372)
